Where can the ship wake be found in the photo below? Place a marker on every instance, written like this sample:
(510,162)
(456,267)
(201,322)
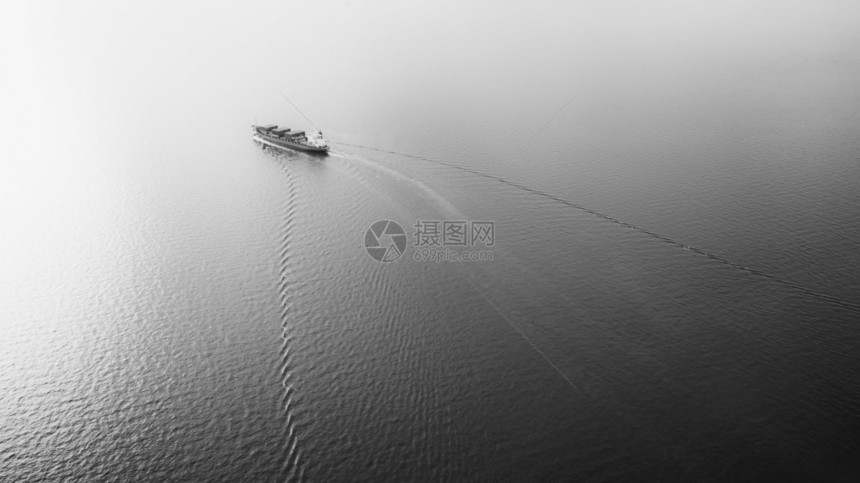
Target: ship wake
(666,239)
(292,467)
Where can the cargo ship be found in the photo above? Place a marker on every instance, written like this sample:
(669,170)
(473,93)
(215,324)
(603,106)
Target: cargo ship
(284,137)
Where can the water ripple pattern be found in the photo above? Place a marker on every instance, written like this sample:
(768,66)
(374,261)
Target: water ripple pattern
(292,468)
(664,238)
(454,211)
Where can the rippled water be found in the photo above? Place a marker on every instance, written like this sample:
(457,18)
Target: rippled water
(673,290)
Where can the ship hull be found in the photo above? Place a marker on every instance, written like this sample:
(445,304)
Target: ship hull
(282,143)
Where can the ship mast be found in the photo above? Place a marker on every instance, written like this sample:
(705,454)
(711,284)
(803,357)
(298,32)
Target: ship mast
(299,111)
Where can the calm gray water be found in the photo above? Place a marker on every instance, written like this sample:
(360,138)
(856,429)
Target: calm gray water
(674,290)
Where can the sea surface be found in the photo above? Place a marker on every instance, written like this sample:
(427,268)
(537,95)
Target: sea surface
(671,291)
